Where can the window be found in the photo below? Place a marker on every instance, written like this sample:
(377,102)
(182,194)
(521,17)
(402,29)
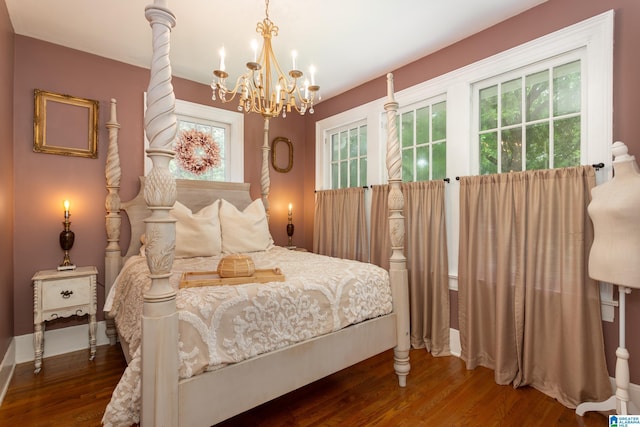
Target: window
(200,147)
(531,119)
(423,137)
(566,76)
(209,143)
(348,147)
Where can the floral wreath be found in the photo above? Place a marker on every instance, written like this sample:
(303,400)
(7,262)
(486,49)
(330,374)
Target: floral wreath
(196,151)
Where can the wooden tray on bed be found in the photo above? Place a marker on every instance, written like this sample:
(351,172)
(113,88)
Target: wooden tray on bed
(194,279)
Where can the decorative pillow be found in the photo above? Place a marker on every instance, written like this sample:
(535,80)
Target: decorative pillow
(197,234)
(246,231)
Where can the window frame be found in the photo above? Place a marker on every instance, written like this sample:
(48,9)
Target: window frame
(523,72)
(338,131)
(234,121)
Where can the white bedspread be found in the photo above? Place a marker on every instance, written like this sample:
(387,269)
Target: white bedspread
(219,325)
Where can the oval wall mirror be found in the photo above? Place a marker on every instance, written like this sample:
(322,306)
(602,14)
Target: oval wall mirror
(274,155)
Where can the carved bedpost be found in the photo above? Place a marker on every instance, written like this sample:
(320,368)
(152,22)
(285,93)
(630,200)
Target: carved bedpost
(398,263)
(265,182)
(113,256)
(160,319)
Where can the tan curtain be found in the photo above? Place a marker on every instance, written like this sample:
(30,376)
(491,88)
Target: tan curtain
(340,227)
(427,261)
(527,307)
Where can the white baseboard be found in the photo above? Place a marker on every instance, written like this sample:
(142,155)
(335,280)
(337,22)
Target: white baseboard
(454,342)
(59,341)
(6,369)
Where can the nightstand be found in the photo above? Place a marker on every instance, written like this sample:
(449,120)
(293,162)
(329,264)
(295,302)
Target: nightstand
(59,294)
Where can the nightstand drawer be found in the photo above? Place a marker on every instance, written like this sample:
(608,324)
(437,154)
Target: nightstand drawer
(73,291)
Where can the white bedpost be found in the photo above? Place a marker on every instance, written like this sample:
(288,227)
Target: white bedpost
(398,263)
(265,181)
(160,319)
(113,256)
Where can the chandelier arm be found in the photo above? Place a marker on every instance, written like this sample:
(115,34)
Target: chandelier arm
(222,89)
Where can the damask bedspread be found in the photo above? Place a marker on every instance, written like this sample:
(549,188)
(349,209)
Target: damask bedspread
(219,325)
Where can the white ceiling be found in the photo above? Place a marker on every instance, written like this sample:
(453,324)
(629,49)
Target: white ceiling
(348,41)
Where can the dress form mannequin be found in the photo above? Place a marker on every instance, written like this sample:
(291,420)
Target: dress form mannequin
(615,256)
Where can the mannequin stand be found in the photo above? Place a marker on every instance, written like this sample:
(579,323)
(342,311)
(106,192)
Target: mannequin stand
(619,401)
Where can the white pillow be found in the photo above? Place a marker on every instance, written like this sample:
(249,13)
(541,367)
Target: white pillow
(246,231)
(197,234)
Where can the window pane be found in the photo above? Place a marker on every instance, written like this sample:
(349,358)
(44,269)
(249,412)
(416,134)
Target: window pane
(335,148)
(538,96)
(488,153)
(353,142)
(407,165)
(344,176)
(363,171)
(334,176)
(489,108)
(363,140)
(566,150)
(439,160)
(219,135)
(344,145)
(422,163)
(511,150)
(439,117)
(538,146)
(512,102)
(353,172)
(407,129)
(422,126)
(566,89)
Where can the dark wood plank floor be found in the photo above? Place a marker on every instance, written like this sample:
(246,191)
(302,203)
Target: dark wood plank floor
(72,391)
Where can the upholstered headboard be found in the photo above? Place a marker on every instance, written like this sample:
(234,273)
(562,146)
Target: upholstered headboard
(193,194)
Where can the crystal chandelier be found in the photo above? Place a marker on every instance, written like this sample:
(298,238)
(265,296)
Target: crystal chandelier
(265,88)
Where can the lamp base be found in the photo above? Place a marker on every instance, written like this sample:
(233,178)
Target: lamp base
(66,267)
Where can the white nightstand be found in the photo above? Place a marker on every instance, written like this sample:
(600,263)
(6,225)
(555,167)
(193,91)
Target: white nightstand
(59,294)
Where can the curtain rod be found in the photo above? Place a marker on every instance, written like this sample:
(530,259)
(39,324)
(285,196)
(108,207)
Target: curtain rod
(366,187)
(597,167)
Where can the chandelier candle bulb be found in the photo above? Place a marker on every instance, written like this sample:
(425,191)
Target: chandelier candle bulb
(222,55)
(66,209)
(254,47)
(290,211)
(312,71)
(294,54)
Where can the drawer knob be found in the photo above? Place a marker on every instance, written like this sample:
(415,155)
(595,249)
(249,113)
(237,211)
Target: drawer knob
(66,294)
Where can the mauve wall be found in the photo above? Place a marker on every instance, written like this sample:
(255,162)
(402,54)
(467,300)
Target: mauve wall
(43,181)
(6,178)
(536,22)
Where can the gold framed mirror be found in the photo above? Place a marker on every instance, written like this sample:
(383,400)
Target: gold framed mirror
(274,155)
(65,125)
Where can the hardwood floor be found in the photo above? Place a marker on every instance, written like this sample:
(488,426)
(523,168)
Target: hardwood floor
(72,391)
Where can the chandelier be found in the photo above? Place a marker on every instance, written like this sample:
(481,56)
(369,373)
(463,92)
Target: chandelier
(265,88)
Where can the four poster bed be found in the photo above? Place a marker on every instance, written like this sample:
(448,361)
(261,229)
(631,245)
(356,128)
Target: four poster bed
(199,355)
